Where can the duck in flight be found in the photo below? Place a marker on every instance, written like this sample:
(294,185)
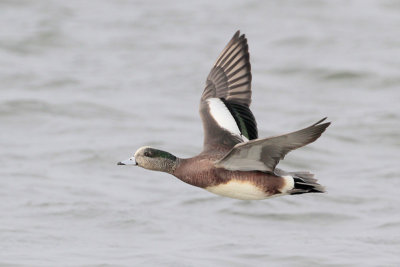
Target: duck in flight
(235,162)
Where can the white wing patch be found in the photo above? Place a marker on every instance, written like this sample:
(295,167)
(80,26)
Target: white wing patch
(223,117)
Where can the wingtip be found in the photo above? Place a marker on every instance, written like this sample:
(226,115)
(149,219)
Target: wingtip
(318,122)
(238,35)
(322,120)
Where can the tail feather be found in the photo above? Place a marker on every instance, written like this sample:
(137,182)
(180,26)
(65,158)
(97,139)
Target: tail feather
(304,182)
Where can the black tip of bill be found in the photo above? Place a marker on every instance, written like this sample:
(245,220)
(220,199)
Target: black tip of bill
(120,163)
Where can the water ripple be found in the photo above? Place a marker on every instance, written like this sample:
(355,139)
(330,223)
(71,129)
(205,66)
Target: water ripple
(84,110)
(326,217)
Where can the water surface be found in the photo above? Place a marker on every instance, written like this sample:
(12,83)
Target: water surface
(84,84)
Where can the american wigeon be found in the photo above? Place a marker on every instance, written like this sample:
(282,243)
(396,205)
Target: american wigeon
(234,162)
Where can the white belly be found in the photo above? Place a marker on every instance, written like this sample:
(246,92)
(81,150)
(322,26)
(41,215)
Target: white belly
(239,190)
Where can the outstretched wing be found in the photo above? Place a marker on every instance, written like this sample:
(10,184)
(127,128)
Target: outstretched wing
(224,106)
(264,154)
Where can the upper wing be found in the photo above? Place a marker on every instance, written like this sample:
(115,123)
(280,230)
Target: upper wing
(264,154)
(230,78)
(224,107)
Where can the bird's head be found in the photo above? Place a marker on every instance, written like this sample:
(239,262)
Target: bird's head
(152,159)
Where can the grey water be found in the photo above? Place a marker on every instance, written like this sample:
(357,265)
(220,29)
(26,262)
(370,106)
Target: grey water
(83,84)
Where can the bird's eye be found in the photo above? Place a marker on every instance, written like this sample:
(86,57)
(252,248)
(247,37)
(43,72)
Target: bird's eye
(146,154)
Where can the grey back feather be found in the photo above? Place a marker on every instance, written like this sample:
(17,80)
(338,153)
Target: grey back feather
(265,154)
